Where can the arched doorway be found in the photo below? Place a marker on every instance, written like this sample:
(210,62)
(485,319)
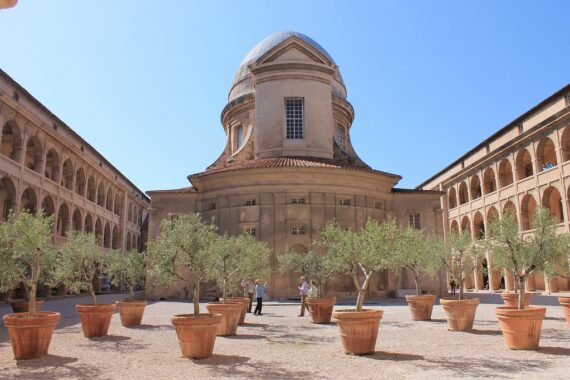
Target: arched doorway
(524,164)
(552,200)
(463,195)
(546,154)
(29,201)
(528,212)
(7,197)
(489,182)
(505,173)
(475,187)
(33,159)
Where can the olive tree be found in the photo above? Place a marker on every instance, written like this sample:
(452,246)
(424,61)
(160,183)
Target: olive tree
(185,243)
(312,265)
(26,254)
(235,257)
(361,254)
(460,256)
(79,261)
(127,268)
(418,254)
(545,250)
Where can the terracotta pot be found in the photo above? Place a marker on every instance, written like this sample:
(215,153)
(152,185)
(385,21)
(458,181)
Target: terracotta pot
(565,302)
(8,3)
(31,336)
(131,312)
(230,312)
(196,335)
(421,306)
(512,299)
(358,330)
(245,302)
(521,328)
(23,306)
(95,319)
(321,308)
(460,314)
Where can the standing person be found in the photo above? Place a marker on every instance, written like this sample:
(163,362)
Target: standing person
(248,285)
(313,290)
(259,292)
(452,285)
(304,291)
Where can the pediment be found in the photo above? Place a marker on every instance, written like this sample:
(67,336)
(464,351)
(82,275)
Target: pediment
(294,50)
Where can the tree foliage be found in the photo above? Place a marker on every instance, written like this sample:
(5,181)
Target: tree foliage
(26,254)
(127,268)
(545,250)
(79,261)
(312,265)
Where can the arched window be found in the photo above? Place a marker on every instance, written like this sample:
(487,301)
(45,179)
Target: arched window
(524,164)
(489,182)
(528,212)
(48,206)
(505,173)
(99,230)
(52,165)
(101,195)
(117,204)
(77,220)
(29,201)
(91,189)
(546,155)
(11,145)
(88,224)
(130,216)
(452,198)
(466,225)
(7,197)
(63,220)
(80,182)
(510,208)
(128,241)
(454,226)
(565,144)
(33,159)
(475,187)
(107,236)
(68,174)
(463,195)
(116,242)
(109,203)
(552,200)
(492,214)
(478,225)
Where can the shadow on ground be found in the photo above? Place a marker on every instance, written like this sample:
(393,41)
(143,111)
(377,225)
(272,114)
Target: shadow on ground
(54,367)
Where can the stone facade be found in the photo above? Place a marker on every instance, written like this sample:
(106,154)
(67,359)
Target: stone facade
(45,165)
(288,167)
(524,164)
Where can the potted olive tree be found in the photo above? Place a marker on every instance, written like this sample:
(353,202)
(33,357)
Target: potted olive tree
(186,244)
(316,267)
(26,257)
(522,256)
(564,271)
(128,269)
(360,255)
(81,259)
(234,257)
(417,253)
(460,256)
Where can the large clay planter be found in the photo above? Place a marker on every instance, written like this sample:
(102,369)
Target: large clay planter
(23,306)
(321,308)
(31,336)
(95,319)
(196,336)
(421,306)
(245,302)
(230,312)
(521,328)
(565,302)
(512,299)
(131,312)
(358,330)
(460,314)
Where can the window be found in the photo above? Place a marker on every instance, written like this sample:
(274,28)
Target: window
(378,205)
(212,206)
(298,201)
(340,136)
(239,137)
(251,231)
(344,202)
(251,202)
(294,118)
(298,230)
(415,221)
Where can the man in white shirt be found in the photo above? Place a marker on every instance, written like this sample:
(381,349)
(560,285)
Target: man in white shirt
(304,291)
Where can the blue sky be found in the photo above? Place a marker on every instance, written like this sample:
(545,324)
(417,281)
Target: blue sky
(144,81)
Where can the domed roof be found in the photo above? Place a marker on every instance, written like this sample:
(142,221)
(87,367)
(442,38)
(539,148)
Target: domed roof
(263,47)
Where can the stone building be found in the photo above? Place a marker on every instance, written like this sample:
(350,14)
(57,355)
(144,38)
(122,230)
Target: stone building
(288,165)
(45,165)
(522,165)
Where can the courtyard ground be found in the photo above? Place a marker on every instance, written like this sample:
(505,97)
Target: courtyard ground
(280,345)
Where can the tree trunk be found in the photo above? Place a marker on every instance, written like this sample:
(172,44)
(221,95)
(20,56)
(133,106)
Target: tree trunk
(32,300)
(131,293)
(93,296)
(461,287)
(417,281)
(224,289)
(196,298)
(323,288)
(521,281)
(362,293)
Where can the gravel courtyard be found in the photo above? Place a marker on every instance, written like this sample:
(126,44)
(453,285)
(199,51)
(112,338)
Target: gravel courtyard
(280,345)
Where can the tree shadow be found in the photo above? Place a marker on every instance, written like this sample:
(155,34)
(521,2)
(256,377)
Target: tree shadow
(484,367)
(153,327)
(554,319)
(53,367)
(109,338)
(397,324)
(393,356)
(245,336)
(247,324)
(485,332)
(437,320)
(560,351)
(118,343)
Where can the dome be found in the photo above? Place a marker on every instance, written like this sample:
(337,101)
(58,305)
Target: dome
(238,89)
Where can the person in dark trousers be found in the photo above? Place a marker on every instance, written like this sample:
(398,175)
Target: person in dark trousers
(259,292)
(452,285)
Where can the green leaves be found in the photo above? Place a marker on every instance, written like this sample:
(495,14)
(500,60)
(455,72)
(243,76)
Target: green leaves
(311,264)
(128,268)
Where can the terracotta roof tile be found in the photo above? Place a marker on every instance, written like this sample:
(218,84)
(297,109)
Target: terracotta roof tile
(189,189)
(415,191)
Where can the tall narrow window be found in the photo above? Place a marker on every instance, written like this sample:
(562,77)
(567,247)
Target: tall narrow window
(340,136)
(294,118)
(415,221)
(239,137)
